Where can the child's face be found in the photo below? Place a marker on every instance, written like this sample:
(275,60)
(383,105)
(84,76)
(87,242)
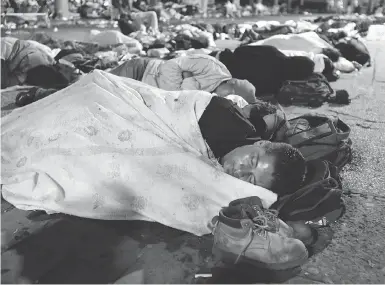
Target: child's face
(224,89)
(252,164)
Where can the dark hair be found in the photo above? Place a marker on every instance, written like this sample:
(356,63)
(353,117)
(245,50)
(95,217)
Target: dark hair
(298,67)
(47,77)
(290,168)
(262,108)
(333,54)
(125,26)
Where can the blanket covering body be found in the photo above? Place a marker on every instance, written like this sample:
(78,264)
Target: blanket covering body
(208,73)
(308,42)
(113,148)
(20,56)
(318,59)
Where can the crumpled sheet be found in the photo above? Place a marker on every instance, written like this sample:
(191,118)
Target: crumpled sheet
(113,148)
(345,65)
(309,42)
(301,26)
(349,29)
(194,32)
(107,38)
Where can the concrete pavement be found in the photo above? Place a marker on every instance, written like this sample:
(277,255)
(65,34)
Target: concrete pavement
(356,253)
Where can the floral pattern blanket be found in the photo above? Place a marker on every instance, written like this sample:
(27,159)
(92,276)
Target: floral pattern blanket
(113,148)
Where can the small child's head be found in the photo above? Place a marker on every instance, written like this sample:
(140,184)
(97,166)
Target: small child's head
(278,167)
(238,87)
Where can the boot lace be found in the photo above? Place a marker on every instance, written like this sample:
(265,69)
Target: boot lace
(271,215)
(259,227)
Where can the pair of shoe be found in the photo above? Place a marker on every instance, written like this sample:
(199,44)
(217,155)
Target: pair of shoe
(246,232)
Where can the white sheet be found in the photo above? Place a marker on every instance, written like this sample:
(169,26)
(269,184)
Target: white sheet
(308,42)
(318,59)
(112,148)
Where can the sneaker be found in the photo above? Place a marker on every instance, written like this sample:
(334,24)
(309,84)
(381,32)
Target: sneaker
(275,224)
(239,239)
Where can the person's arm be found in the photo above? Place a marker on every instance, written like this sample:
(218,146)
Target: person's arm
(207,70)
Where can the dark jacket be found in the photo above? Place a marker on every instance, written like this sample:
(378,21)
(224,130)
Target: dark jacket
(224,127)
(265,67)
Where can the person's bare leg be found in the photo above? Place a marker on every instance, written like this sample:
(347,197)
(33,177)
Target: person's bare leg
(150,17)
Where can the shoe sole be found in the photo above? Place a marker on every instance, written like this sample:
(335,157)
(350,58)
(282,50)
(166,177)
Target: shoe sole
(229,258)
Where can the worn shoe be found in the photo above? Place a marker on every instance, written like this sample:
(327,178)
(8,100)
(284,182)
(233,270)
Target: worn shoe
(275,225)
(239,239)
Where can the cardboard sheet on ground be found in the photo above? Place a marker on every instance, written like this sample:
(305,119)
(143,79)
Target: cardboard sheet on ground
(112,148)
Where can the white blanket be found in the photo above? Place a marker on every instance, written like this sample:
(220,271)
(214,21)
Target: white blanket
(112,148)
(318,59)
(309,42)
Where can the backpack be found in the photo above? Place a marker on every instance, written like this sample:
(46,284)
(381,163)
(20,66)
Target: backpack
(319,203)
(321,137)
(312,92)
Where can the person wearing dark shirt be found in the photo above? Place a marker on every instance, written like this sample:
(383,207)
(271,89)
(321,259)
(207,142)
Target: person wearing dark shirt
(235,137)
(265,67)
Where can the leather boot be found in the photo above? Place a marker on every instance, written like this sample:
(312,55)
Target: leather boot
(275,224)
(239,239)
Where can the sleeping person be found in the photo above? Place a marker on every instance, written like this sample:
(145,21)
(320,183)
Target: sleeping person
(265,67)
(190,72)
(113,148)
(238,138)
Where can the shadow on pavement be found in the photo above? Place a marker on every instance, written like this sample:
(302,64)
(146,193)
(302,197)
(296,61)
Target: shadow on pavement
(75,250)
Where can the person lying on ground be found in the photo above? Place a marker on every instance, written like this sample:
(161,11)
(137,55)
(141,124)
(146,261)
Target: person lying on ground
(265,67)
(238,139)
(18,57)
(235,136)
(141,139)
(190,72)
(322,64)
